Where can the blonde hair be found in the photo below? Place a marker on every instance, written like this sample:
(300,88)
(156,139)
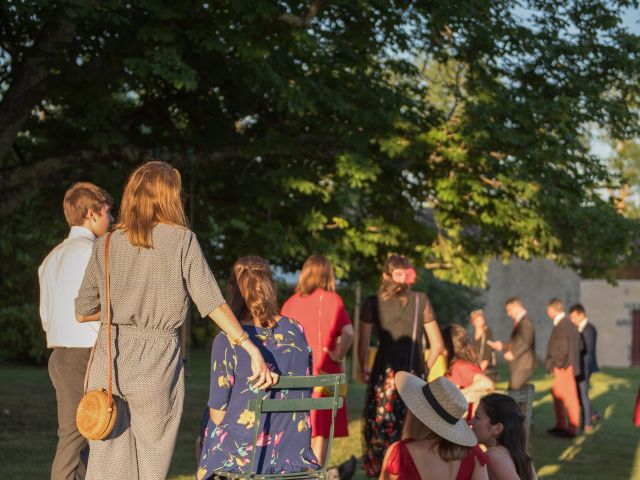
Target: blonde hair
(317,272)
(252,291)
(388,288)
(82,197)
(416,430)
(152,195)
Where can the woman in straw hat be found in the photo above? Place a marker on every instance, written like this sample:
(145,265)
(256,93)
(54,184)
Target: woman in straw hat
(436,440)
(499,425)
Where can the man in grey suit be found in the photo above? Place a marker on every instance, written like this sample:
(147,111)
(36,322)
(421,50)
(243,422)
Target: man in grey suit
(520,352)
(589,362)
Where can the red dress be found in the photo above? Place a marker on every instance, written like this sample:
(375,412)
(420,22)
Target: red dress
(400,462)
(636,412)
(322,315)
(462,372)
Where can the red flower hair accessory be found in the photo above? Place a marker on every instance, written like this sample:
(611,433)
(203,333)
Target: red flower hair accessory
(410,276)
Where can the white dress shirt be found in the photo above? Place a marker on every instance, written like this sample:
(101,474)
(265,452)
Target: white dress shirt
(521,316)
(583,324)
(558,318)
(61,275)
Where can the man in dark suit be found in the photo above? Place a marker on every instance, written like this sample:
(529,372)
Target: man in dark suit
(589,363)
(520,352)
(563,360)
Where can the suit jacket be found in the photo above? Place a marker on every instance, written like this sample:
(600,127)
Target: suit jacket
(563,349)
(589,361)
(523,346)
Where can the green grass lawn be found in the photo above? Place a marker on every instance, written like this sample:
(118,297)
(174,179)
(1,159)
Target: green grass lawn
(611,451)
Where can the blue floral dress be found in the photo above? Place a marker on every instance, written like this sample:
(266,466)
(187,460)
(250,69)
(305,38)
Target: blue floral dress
(284,443)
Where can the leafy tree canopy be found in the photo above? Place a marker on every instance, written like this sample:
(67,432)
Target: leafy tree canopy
(449,131)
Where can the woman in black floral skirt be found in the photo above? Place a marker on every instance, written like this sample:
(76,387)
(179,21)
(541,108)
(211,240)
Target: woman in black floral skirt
(399,316)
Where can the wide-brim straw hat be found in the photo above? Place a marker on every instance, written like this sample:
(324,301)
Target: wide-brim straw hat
(439,404)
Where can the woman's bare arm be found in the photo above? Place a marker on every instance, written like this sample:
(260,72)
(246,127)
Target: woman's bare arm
(364,338)
(384,475)
(344,342)
(94,317)
(436,344)
(227,321)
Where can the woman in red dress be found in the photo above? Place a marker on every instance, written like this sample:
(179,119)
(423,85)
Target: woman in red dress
(320,311)
(464,369)
(436,441)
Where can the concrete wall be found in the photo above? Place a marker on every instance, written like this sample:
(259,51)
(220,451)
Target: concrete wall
(535,282)
(609,309)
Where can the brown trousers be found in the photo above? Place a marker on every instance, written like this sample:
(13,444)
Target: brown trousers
(67,367)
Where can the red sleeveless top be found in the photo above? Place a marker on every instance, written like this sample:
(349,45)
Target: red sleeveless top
(400,462)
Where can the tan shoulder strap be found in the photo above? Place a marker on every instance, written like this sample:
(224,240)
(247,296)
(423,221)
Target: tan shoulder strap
(108,306)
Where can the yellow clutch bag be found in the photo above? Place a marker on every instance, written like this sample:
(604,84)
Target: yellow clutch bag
(328,391)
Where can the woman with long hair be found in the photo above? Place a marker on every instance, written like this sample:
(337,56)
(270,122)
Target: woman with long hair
(464,369)
(500,426)
(156,265)
(329,332)
(436,440)
(284,441)
(399,316)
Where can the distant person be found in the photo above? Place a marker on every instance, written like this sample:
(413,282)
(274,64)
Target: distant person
(563,360)
(520,352)
(399,316)
(481,335)
(436,441)
(284,439)
(463,367)
(87,211)
(319,309)
(500,427)
(589,363)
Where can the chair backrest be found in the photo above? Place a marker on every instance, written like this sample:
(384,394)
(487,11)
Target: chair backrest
(524,398)
(333,403)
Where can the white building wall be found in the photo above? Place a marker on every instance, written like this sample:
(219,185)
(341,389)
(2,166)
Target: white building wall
(535,282)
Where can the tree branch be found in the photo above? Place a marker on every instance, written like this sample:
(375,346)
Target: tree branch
(16,183)
(298,21)
(28,85)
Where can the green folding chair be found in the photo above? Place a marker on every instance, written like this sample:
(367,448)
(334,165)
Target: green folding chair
(260,406)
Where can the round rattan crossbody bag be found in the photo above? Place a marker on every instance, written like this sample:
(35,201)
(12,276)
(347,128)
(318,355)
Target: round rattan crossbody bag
(96,415)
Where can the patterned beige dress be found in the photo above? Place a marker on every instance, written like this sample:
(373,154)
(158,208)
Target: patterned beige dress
(150,290)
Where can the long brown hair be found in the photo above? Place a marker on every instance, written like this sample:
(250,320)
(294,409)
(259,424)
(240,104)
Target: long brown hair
(388,288)
(152,195)
(252,292)
(317,272)
(456,341)
(504,409)
(416,430)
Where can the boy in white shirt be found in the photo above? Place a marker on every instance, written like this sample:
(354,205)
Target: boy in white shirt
(86,209)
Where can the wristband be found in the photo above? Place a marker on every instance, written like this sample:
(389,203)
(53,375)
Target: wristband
(240,340)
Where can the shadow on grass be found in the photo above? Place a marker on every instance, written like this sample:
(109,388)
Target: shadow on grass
(28,426)
(606,453)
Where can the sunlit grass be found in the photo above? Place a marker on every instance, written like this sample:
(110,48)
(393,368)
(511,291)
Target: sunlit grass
(28,427)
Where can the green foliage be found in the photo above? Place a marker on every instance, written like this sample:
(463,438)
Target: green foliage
(22,337)
(446,131)
(451,302)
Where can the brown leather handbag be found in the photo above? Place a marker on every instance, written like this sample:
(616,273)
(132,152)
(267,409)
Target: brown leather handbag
(96,415)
